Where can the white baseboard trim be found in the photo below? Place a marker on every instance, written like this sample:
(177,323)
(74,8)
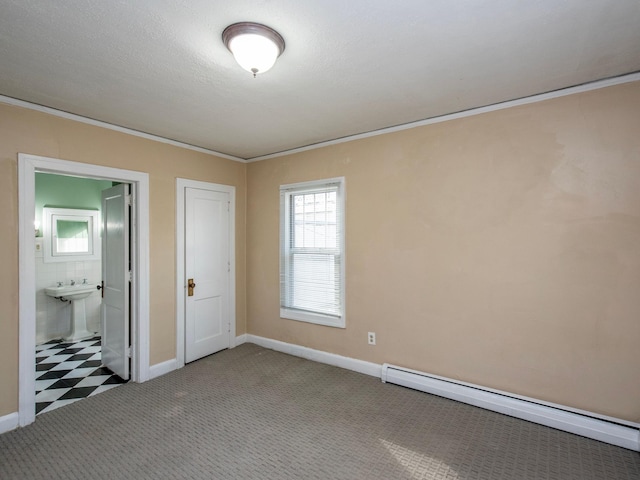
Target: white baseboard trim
(162,368)
(616,432)
(359,366)
(9,422)
(610,430)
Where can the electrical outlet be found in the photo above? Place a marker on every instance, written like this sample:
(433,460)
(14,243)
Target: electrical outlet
(39,247)
(371,338)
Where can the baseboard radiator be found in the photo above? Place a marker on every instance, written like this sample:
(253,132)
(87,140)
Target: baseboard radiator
(616,432)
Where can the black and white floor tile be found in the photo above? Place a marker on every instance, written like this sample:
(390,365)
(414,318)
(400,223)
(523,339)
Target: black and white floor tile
(70,371)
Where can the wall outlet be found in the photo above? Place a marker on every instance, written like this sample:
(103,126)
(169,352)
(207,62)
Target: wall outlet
(39,248)
(371,338)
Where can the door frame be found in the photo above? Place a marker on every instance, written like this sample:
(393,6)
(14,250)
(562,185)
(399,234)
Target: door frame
(28,165)
(181,185)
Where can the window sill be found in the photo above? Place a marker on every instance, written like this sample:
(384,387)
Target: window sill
(308,317)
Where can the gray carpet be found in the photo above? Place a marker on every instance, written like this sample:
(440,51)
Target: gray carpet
(251,413)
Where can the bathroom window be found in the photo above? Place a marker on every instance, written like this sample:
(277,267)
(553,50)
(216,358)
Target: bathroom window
(312,252)
(70,234)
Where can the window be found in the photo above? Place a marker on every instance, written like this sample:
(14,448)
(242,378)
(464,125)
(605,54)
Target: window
(312,252)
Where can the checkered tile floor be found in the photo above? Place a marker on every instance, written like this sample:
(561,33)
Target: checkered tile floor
(67,372)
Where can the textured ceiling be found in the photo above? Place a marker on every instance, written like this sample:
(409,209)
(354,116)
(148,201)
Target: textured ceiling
(349,67)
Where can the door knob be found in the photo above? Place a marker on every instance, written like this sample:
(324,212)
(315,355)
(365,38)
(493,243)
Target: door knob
(191,285)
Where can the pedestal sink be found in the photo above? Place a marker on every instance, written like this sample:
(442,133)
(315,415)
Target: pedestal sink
(75,294)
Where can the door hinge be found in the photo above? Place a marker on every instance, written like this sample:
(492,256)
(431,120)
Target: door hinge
(128,199)
(130,276)
(129,352)
(228,206)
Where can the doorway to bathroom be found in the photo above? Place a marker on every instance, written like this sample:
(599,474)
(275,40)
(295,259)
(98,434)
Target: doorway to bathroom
(82,289)
(127,342)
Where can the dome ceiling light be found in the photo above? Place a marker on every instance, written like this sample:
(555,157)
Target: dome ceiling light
(254,46)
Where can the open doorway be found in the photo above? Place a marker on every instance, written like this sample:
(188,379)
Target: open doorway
(28,167)
(83,262)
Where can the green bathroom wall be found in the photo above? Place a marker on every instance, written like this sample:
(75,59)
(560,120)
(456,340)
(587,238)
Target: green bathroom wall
(61,191)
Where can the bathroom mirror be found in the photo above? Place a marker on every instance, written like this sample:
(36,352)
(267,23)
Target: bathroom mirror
(70,234)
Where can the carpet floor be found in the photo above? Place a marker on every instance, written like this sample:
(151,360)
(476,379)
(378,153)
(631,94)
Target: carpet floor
(252,413)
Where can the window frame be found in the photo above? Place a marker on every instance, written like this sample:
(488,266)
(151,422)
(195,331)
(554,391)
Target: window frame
(286,219)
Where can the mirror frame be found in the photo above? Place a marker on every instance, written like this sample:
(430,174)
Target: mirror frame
(49,217)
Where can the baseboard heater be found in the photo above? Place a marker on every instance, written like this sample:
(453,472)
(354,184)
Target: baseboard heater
(609,430)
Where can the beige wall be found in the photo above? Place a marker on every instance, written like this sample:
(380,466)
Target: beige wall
(27,131)
(501,249)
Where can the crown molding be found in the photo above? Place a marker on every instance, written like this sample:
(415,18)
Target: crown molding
(541,97)
(97,123)
(586,87)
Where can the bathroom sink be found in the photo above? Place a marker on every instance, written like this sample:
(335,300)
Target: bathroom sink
(72,292)
(75,294)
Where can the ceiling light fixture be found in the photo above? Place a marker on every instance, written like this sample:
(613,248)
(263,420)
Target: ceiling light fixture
(254,46)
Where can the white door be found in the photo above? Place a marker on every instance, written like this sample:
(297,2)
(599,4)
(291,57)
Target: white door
(115,278)
(207,314)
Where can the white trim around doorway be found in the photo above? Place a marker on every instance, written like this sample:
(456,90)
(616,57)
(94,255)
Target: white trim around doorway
(181,185)
(28,165)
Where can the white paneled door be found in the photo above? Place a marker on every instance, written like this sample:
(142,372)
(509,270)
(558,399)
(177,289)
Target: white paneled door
(207,272)
(116,280)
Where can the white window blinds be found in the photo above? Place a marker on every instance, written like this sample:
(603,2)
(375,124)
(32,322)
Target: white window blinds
(312,252)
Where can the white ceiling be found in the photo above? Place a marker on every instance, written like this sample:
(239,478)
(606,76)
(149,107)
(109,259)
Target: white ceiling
(350,66)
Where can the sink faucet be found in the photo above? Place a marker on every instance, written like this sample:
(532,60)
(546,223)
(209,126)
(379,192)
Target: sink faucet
(73,282)
(84,281)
